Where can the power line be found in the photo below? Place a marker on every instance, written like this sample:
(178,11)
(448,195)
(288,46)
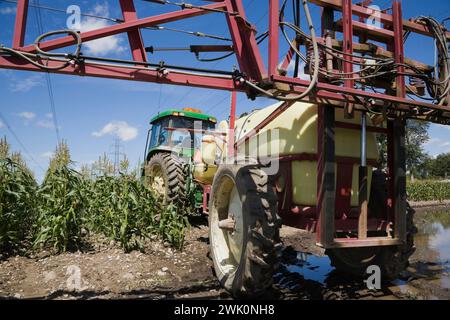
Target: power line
(8,126)
(52,106)
(40,27)
(159,98)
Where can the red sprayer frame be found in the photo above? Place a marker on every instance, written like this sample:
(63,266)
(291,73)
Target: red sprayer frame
(272,76)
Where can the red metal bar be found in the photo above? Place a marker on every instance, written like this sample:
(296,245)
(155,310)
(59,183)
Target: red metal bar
(347,27)
(232,123)
(398,47)
(384,17)
(378,34)
(20,24)
(244,42)
(129,73)
(134,37)
(274,7)
(305,220)
(333,92)
(326,174)
(287,59)
(124,27)
(390,170)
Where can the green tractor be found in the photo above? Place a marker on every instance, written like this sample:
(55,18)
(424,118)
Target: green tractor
(172,142)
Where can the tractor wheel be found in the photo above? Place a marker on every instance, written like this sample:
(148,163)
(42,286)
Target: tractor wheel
(164,175)
(391,259)
(244,229)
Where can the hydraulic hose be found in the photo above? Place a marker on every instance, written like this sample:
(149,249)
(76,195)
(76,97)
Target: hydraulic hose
(27,56)
(315,76)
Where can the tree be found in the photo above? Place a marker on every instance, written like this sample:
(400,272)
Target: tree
(416,136)
(440,166)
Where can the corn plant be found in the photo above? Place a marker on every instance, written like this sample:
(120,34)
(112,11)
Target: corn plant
(172,225)
(17,204)
(54,213)
(123,210)
(62,202)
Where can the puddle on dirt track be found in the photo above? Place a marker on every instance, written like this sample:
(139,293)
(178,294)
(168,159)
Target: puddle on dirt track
(303,275)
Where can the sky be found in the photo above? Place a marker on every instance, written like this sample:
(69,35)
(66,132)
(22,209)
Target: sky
(91,112)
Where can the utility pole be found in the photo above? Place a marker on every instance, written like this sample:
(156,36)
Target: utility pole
(117,154)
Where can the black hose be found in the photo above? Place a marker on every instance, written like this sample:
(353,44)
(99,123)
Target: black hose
(27,56)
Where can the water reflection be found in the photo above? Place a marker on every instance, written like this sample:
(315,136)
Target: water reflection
(311,267)
(427,277)
(432,257)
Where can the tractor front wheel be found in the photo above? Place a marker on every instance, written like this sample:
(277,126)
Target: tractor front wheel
(243,229)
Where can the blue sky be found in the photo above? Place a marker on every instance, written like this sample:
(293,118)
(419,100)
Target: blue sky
(92,112)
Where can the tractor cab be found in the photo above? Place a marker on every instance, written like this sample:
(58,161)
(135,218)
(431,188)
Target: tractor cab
(179,131)
(175,137)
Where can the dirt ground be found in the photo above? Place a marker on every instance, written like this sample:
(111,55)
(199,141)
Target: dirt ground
(106,272)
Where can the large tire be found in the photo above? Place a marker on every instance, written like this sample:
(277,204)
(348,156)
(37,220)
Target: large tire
(392,260)
(245,259)
(164,174)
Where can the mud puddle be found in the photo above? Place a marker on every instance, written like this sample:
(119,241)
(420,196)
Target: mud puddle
(303,274)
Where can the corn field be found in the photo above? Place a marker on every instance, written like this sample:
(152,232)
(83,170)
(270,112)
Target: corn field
(428,190)
(58,213)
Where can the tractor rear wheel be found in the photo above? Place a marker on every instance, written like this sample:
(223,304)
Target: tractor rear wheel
(164,175)
(244,229)
(391,259)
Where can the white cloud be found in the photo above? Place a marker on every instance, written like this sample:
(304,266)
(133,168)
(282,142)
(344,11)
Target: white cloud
(120,129)
(45,124)
(8,10)
(1,124)
(47,154)
(24,85)
(102,46)
(49,115)
(27,115)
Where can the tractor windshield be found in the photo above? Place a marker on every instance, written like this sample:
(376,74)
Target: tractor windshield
(180,132)
(184,132)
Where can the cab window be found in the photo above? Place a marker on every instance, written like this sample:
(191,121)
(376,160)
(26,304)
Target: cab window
(154,135)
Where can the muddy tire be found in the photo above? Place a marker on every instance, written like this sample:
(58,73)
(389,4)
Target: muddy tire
(164,174)
(245,257)
(392,260)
